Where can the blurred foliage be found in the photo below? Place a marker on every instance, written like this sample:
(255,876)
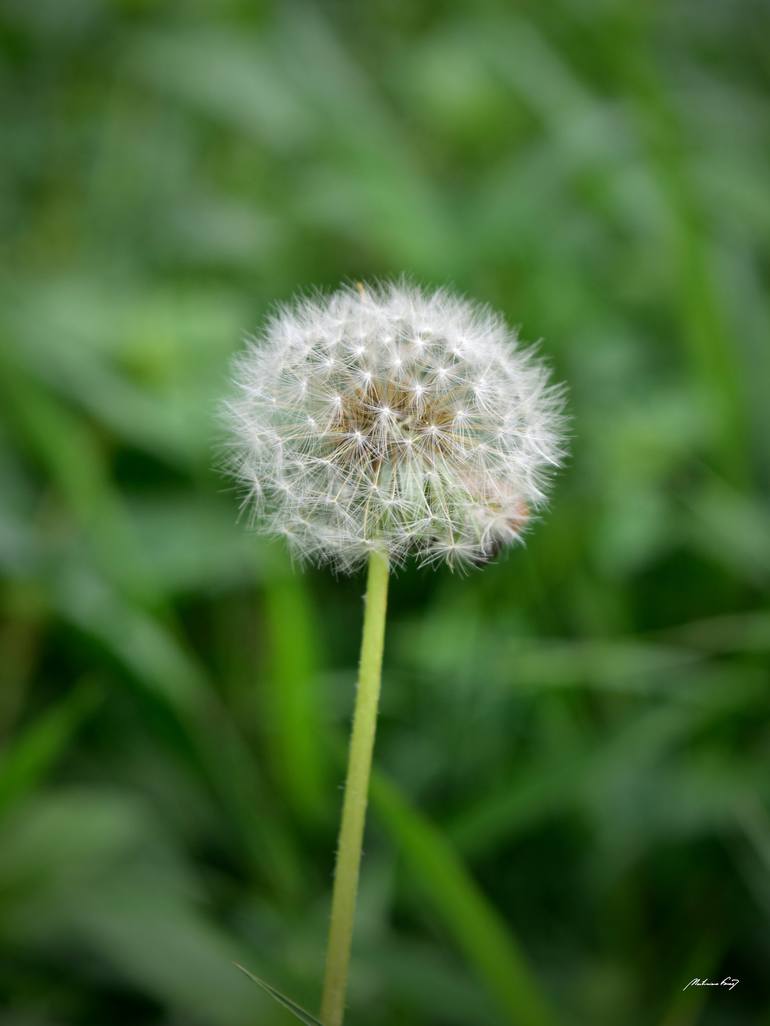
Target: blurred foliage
(571,815)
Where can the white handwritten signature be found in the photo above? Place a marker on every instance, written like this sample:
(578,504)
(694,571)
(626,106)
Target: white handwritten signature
(728,981)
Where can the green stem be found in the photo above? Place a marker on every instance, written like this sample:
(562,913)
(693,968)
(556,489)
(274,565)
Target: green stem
(356,793)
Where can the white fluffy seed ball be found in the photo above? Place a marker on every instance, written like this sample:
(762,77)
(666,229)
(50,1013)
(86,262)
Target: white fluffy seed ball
(386,417)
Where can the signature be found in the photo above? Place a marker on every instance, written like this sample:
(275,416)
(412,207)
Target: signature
(728,981)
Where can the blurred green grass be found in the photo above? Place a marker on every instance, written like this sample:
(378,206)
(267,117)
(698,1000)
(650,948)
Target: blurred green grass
(571,814)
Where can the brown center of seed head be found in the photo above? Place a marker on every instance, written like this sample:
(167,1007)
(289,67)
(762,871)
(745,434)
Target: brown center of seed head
(392,422)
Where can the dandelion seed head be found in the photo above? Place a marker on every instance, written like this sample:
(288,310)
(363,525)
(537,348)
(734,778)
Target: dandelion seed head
(441,445)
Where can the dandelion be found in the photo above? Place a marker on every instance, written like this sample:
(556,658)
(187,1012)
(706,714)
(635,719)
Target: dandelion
(379,424)
(395,421)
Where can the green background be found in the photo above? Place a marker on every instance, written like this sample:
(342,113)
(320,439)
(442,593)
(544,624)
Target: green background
(570,819)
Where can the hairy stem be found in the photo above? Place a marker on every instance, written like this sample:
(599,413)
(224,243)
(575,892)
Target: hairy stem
(356,793)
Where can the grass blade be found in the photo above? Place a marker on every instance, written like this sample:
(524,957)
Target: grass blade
(292,703)
(276,995)
(475,925)
(30,756)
